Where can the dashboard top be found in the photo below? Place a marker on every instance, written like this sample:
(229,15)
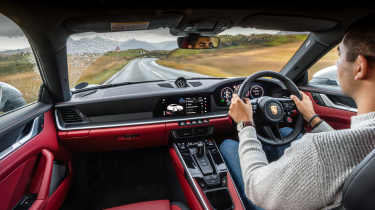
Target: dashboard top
(156,102)
(164,88)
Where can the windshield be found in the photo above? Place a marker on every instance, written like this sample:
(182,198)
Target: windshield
(149,55)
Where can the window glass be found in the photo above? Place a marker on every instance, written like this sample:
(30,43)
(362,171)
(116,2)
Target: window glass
(19,75)
(324,72)
(149,55)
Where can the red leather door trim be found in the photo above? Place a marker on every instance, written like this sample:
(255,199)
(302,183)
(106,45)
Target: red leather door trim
(57,198)
(233,193)
(14,186)
(47,139)
(17,169)
(190,196)
(337,118)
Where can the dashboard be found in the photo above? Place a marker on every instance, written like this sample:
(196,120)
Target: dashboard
(156,102)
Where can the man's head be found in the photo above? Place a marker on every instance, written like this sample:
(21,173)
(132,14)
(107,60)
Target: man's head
(356,65)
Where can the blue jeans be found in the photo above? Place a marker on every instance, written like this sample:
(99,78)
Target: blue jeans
(229,151)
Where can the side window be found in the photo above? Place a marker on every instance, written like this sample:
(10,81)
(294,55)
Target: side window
(19,75)
(324,72)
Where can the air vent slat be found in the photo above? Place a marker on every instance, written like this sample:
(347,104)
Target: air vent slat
(166,85)
(70,116)
(195,84)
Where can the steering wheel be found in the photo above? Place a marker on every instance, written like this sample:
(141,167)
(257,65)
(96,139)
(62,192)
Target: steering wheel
(269,112)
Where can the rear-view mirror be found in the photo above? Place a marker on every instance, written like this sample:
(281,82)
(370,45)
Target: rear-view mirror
(198,42)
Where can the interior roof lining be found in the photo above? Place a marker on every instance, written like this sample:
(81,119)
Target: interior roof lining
(259,20)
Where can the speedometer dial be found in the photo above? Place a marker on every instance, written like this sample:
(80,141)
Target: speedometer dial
(226,94)
(256,91)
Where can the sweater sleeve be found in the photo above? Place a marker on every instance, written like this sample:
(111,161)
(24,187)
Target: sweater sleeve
(288,183)
(322,127)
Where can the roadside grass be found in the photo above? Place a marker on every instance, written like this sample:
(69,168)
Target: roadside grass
(107,65)
(102,69)
(26,82)
(14,64)
(233,62)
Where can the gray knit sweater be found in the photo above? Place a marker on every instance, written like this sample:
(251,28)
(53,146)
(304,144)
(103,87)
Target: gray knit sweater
(312,171)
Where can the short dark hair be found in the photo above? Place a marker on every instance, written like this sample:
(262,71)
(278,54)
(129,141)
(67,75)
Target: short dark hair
(360,39)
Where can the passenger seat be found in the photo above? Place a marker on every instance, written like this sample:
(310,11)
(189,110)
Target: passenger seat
(153,205)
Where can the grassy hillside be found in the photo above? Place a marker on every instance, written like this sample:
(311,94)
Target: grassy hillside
(13,64)
(238,55)
(18,71)
(107,65)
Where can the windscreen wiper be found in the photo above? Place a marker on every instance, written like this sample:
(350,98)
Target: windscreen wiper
(114,85)
(196,78)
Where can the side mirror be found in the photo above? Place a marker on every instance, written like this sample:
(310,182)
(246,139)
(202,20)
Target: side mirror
(198,42)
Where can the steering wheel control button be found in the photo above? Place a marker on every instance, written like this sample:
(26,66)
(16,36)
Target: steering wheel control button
(289,119)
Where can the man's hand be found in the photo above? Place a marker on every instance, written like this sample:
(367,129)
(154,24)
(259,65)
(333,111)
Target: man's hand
(240,111)
(305,107)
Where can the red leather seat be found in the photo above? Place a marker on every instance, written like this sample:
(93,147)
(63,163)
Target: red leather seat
(152,205)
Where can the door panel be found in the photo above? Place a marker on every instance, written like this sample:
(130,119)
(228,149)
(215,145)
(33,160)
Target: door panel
(336,113)
(27,169)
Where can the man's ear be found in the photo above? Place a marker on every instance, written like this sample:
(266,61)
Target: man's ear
(360,70)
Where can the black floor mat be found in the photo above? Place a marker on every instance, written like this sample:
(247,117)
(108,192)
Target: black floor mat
(103,180)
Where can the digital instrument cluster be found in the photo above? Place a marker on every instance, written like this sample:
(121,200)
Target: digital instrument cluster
(226,92)
(183,106)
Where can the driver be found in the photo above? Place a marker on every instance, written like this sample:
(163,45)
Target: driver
(311,172)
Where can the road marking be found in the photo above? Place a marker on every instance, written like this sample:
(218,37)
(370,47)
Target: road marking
(157,74)
(178,71)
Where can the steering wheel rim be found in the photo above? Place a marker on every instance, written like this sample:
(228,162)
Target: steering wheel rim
(273,110)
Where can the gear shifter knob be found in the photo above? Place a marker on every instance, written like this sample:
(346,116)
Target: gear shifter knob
(200,149)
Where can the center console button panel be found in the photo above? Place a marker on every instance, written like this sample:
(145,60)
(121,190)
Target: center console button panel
(206,166)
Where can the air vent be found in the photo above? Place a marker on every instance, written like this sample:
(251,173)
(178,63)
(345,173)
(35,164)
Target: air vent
(70,115)
(181,83)
(195,84)
(165,85)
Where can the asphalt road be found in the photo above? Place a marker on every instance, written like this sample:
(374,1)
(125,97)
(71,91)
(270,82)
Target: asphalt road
(146,69)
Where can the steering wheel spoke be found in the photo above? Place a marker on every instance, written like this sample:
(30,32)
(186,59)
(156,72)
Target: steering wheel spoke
(254,104)
(273,131)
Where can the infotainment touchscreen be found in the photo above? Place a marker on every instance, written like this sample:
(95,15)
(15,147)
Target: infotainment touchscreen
(182,106)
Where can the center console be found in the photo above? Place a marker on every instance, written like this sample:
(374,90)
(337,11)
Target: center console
(205,170)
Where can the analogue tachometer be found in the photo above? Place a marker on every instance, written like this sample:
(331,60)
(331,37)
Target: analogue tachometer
(226,94)
(256,91)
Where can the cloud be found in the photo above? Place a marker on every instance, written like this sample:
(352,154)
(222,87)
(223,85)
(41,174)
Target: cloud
(8,28)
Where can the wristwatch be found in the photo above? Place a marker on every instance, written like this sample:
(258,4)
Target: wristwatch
(241,125)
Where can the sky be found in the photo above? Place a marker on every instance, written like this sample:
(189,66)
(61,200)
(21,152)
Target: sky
(11,37)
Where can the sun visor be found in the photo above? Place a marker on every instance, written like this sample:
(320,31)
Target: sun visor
(288,23)
(94,24)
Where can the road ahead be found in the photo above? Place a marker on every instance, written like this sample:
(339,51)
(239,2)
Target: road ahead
(146,69)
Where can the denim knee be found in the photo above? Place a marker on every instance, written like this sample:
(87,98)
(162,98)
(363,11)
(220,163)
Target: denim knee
(228,145)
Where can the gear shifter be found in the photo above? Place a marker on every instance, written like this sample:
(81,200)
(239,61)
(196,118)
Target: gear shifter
(200,149)
(202,159)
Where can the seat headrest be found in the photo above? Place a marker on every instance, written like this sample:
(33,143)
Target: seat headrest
(359,187)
